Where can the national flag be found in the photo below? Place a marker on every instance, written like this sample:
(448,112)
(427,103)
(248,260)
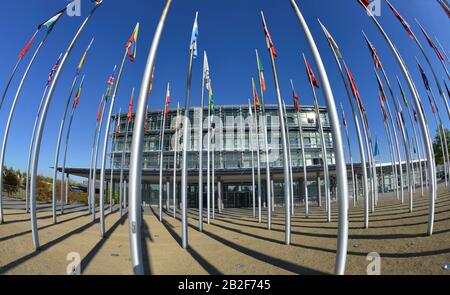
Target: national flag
(383,110)
(130,109)
(344,119)
(262,80)
(100,108)
(27,46)
(255,95)
(373,51)
(83,58)
(381,88)
(445,7)
(446,87)
(415,115)
(78,95)
(111,81)
(414,145)
(250,112)
(152,80)
(146,129)
(166,108)
(211,102)
(376,151)
(194,38)
(296,102)
(206,73)
(431,43)
(131,45)
(53,71)
(311,76)
(353,86)
(97,2)
(331,40)
(424,77)
(270,44)
(405,24)
(433,107)
(405,100)
(366,2)
(119,122)
(51,22)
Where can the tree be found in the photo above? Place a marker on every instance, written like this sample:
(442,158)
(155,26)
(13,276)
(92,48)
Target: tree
(10,181)
(439,158)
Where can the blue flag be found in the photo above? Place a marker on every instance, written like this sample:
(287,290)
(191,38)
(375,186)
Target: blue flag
(376,151)
(194,37)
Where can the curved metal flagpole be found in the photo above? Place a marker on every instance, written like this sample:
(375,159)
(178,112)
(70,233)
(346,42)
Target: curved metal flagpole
(287,185)
(350,154)
(135,197)
(338,56)
(10,118)
(111,193)
(33,134)
(213,177)
(258,161)
(291,176)
(105,142)
(60,134)
(208,170)
(251,148)
(200,148)
(302,143)
(40,130)
(16,66)
(175,156)
(69,128)
(269,192)
(421,116)
(161,160)
(391,144)
(122,162)
(94,141)
(413,124)
(341,169)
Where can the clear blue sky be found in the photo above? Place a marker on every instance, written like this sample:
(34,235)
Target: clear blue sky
(229,31)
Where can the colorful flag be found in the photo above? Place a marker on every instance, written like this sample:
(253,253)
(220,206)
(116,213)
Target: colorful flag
(261,75)
(255,95)
(111,81)
(206,74)
(373,51)
(431,43)
(166,108)
(51,22)
(350,77)
(250,112)
(269,38)
(100,108)
(118,125)
(146,129)
(311,76)
(131,45)
(194,38)
(344,119)
(27,47)
(402,20)
(78,96)
(130,110)
(53,71)
(83,58)
(296,102)
(381,88)
(366,2)
(331,40)
(152,80)
(383,110)
(424,77)
(405,100)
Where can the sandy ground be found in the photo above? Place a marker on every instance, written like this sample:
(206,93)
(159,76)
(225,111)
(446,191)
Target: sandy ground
(234,243)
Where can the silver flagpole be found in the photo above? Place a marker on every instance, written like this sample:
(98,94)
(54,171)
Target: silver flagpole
(290,160)
(351,156)
(94,167)
(69,128)
(200,150)
(324,150)
(251,145)
(60,135)
(213,177)
(266,147)
(161,160)
(10,118)
(113,156)
(284,146)
(408,160)
(105,143)
(413,124)
(305,175)
(341,169)
(443,51)
(425,131)
(175,156)
(186,145)
(94,142)
(135,197)
(13,73)
(258,161)
(391,150)
(30,150)
(358,131)
(122,165)
(208,170)
(40,130)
